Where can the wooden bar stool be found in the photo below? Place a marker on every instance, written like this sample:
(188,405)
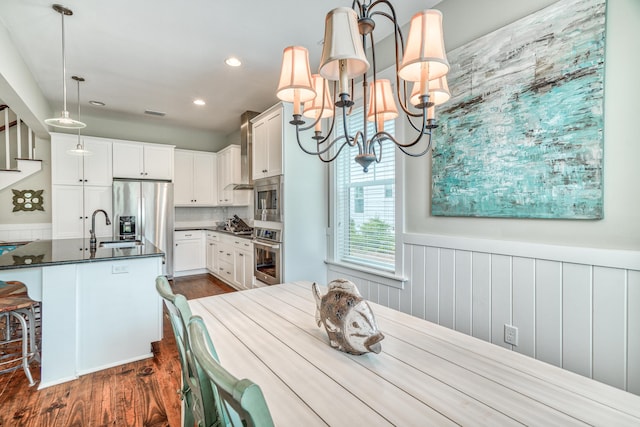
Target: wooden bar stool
(18,320)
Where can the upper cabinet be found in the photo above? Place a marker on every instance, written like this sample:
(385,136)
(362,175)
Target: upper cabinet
(68,169)
(228,175)
(267,143)
(195,178)
(142,160)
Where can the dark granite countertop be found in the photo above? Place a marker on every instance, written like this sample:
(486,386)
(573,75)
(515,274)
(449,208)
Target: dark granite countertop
(42,253)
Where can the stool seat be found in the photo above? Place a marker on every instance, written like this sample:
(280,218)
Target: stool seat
(17,311)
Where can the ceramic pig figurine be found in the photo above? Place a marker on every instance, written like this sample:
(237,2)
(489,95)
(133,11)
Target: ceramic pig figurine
(347,318)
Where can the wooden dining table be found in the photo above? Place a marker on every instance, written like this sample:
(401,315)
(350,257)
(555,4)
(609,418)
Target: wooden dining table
(425,375)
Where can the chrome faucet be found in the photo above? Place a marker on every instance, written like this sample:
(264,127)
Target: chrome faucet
(92,240)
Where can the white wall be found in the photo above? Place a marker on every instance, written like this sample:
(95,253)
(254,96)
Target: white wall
(620,228)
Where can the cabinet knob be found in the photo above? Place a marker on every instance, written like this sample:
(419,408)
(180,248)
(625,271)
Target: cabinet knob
(141,173)
(81,218)
(241,254)
(146,173)
(86,180)
(80,180)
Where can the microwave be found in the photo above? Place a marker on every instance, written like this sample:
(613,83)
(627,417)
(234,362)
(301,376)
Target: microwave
(268,199)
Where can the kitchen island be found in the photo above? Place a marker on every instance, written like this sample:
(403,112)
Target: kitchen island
(99,308)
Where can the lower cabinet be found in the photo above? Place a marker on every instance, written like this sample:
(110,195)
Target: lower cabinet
(211,251)
(227,257)
(189,253)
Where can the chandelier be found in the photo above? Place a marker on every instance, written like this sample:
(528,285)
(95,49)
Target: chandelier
(422,62)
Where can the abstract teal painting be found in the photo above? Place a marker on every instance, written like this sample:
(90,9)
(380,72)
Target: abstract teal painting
(523,133)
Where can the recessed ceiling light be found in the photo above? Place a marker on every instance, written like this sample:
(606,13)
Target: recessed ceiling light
(232,61)
(199,102)
(97,103)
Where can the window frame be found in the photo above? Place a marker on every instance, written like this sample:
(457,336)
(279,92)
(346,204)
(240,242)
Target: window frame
(332,248)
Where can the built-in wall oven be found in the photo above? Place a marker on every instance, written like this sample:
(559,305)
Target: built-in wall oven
(268,255)
(268,199)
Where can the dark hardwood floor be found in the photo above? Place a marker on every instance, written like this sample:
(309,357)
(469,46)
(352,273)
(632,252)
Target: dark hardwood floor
(143,393)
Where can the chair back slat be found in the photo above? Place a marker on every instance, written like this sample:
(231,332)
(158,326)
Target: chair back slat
(244,396)
(199,401)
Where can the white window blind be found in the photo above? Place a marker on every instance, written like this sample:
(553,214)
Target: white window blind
(365,202)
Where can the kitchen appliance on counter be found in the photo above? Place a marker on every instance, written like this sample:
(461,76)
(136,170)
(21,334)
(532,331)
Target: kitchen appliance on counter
(237,226)
(144,210)
(268,201)
(267,250)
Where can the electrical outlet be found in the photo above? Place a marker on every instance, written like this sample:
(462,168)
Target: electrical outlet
(511,335)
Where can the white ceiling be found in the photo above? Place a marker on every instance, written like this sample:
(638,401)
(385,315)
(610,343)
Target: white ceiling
(161,55)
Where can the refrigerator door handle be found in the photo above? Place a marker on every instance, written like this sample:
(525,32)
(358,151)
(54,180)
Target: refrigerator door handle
(143,221)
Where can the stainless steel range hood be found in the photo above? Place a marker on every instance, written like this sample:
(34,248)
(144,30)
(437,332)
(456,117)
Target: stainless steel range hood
(246,158)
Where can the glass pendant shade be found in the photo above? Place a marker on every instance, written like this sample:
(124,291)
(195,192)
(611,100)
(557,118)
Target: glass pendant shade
(438,92)
(342,41)
(424,55)
(79,150)
(64,121)
(295,76)
(382,106)
(315,107)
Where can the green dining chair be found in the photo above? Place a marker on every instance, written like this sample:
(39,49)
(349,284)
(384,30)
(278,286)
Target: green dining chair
(242,401)
(196,398)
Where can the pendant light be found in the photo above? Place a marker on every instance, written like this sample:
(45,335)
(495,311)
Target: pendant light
(64,121)
(79,150)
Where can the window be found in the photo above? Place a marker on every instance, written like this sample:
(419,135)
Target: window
(365,204)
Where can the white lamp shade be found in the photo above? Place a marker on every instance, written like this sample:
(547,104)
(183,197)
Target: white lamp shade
(295,76)
(438,92)
(315,107)
(342,41)
(424,52)
(65,122)
(381,104)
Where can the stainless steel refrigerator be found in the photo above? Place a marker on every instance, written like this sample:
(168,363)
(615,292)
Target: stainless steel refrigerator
(144,209)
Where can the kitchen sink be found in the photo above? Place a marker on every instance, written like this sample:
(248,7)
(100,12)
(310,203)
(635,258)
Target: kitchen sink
(119,244)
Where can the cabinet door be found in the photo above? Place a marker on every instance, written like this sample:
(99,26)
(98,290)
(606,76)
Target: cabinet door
(259,147)
(98,166)
(183,179)
(66,169)
(212,249)
(204,179)
(98,198)
(274,144)
(128,160)
(225,197)
(67,215)
(238,268)
(188,255)
(158,162)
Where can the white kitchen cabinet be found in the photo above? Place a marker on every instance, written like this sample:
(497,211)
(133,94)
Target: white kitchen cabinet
(267,143)
(189,253)
(69,169)
(212,251)
(138,160)
(72,208)
(224,259)
(195,178)
(229,174)
(243,263)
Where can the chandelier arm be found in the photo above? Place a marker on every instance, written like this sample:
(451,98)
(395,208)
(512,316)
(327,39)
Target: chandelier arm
(323,150)
(426,150)
(385,135)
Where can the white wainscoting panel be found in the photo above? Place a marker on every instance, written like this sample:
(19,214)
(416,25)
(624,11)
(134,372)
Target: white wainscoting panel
(24,232)
(576,308)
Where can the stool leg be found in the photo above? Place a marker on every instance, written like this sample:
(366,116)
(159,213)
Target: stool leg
(25,345)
